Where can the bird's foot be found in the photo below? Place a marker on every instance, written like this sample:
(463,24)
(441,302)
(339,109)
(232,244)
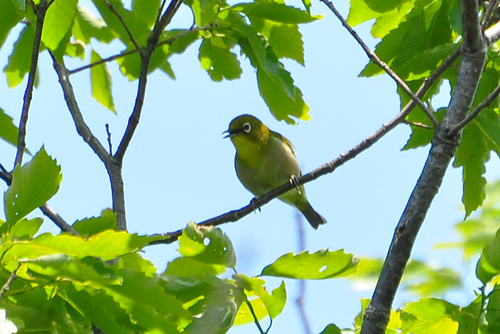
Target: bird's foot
(294,180)
(256,204)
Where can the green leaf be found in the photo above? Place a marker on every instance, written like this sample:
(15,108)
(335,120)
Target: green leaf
(422,130)
(91,226)
(99,308)
(488,265)
(107,245)
(8,131)
(135,262)
(433,316)
(425,28)
(187,267)
(11,16)
(58,21)
(386,22)
(285,39)
(147,10)
(219,307)
(208,245)
(32,185)
(493,310)
(320,265)
(274,11)
(20,59)
(204,11)
(88,26)
(383,6)
(137,26)
(216,58)
(101,82)
(26,228)
(331,329)
(274,302)
(471,155)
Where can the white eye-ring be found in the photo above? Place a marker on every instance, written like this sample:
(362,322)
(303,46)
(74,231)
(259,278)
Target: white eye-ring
(247,128)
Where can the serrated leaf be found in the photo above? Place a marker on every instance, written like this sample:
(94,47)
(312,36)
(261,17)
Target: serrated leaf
(187,267)
(274,11)
(101,82)
(91,226)
(204,11)
(107,245)
(331,329)
(471,155)
(433,316)
(26,228)
(274,302)
(320,265)
(285,39)
(32,185)
(8,131)
(135,262)
(11,16)
(425,28)
(216,58)
(208,245)
(20,59)
(58,22)
(383,6)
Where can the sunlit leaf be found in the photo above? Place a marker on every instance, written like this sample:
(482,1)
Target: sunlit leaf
(11,15)
(320,265)
(8,131)
(101,82)
(32,185)
(20,59)
(275,12)
(58,21)
(90,226)
(216,58)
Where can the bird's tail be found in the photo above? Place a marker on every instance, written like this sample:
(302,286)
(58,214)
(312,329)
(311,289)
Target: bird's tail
(313,217)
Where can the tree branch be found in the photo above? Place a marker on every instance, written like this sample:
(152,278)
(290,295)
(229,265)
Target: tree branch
(7,284)
(40,11)
(112,8)
(486,102)
(442,150)
(141,91)
(374,58)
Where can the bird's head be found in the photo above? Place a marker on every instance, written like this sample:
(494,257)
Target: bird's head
(247,130)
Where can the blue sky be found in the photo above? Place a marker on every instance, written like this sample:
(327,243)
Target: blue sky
(179,169)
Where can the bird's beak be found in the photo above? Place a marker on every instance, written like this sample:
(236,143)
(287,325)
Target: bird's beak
(231,133)
(228,134)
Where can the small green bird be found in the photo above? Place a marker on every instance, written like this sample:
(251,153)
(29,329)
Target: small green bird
(265,160)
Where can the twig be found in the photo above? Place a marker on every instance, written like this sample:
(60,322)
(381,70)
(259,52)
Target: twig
(486,102)
(373,57)
(235,215)
(57,219)
(5,175)
(109,139)
(40,11)
(112,8)
(485,22)
(299,301)
(419,125)
(104,60)
(7,284)
(256,320)
(143,76)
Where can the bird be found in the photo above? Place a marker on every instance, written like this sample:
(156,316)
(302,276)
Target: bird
(265,160)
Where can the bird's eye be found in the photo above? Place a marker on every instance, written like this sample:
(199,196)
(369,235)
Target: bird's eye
(247,128)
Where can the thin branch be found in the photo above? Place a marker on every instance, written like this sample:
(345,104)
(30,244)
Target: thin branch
(419,125)
(81,127)
(112,8)
(442,150)
(57,219)
(110,145)
(486,102)
(301,295)
(104,60)
(485,22)
(143,75)
(255,318)
(235,215)
(7,284)
(40,11)
(374,58)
